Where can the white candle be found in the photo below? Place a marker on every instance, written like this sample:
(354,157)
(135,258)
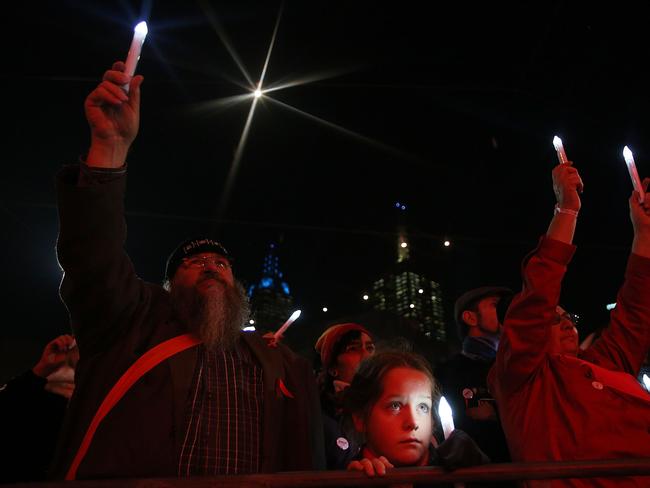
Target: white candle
(634,176)
(446,417)
(139,34)
(559,147)
(284,327)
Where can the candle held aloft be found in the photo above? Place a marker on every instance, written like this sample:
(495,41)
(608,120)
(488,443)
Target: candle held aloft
(446,417)
(634,176)
(139,34)
(284,327)
(559,148)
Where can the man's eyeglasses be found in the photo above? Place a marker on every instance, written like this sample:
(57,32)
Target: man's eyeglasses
(572,317)
(200,262)
(357,347)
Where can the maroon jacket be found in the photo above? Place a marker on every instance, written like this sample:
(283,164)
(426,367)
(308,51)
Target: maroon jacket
(559,407)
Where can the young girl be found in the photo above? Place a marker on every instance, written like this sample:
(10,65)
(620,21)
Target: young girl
(391,402)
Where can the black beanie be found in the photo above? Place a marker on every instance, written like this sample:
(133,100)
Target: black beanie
(189,248)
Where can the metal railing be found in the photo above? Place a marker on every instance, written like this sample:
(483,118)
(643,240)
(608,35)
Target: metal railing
(401,476)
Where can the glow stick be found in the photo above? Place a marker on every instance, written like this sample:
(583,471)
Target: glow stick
(446,417)
(286,325)
(139,33)
(559,147)
(634,176)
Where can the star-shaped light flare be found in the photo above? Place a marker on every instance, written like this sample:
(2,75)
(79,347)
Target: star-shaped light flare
(260,94)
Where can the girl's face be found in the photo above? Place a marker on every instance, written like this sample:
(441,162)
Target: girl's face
(399,425)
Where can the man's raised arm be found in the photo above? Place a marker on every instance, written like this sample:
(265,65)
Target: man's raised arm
(624,345)
(527,324)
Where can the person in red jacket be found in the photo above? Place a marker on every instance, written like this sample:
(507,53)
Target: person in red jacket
(558,402)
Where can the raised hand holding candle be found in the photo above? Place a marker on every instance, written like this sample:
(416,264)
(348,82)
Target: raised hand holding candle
(284,327)
(634,176)
(446,417)
(139,34)
(559,147)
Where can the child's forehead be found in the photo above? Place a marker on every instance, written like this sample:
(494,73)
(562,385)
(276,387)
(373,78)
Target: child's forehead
(405,379)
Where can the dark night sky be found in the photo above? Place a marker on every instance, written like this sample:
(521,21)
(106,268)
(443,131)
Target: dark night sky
(456,106)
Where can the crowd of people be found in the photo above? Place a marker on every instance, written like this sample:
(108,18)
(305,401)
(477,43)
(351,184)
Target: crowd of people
(159,380)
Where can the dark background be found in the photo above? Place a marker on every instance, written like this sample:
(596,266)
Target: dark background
(455,108)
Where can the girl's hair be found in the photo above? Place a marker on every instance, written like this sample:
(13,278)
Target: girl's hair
(368,383)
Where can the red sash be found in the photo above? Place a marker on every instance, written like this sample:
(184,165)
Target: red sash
(146,362)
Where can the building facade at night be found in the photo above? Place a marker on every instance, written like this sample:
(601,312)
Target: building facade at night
(408,293)
(270,297)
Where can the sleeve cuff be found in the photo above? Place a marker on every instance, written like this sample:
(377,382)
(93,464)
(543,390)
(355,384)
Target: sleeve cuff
(555,250)
(90,176)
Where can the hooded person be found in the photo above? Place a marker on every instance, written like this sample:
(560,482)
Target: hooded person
(341,348)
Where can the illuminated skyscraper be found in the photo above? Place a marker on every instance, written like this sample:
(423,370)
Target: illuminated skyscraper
(270,298)
(407,293)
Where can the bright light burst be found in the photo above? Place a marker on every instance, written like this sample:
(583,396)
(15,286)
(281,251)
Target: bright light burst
(256,94)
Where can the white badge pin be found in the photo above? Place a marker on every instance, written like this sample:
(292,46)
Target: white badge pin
(343,443)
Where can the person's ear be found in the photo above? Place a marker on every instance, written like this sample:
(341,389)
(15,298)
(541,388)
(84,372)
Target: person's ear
(359,423)
(333,372)
(470,318)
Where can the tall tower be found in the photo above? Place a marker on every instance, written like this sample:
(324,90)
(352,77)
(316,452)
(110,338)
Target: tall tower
(270,298)
(407,293)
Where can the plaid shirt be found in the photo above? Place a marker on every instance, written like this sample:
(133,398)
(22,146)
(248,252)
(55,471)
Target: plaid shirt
(223,415)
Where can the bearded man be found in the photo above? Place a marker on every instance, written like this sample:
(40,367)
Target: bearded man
(224,403)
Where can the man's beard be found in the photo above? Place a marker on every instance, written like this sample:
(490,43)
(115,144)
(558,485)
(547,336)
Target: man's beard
(217,316)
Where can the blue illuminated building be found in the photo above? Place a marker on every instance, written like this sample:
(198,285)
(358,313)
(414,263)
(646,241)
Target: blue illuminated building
(271,300)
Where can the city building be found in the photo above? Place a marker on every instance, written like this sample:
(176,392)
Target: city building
(406,292)
(270,298)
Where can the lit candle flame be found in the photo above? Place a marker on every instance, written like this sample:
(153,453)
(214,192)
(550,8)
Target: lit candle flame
(634,175)
(139,33)
(446,417)
(559,148)
(141,28)
(286,325)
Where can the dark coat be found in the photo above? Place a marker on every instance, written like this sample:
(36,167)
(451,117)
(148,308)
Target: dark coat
(463,373)
(116,318)
(30,421)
